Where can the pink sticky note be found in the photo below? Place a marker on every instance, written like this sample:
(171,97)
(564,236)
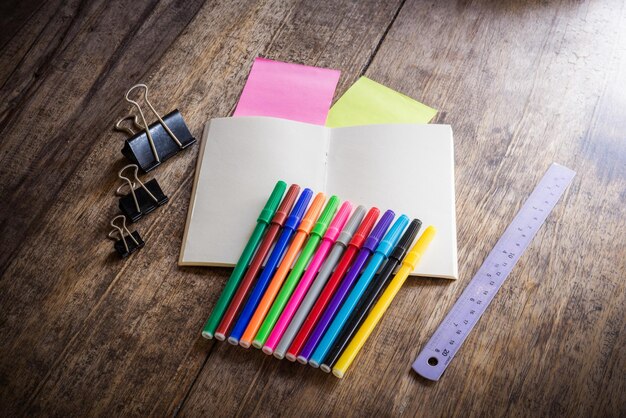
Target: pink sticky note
(288,91)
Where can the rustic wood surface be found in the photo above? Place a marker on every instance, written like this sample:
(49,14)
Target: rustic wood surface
(523,84)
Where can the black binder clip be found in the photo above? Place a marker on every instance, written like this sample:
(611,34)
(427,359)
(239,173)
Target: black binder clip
(126,244)
(154,144)
(142,200)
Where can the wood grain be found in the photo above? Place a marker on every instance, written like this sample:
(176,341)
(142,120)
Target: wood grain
(81,330)
(522,84)
(508,81)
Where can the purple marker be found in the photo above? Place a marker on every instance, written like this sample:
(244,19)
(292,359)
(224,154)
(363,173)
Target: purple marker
(368,248)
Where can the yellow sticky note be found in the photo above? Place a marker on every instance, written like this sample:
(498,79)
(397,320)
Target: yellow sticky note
(369,103)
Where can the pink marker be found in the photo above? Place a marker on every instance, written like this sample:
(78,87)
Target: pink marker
(305,282)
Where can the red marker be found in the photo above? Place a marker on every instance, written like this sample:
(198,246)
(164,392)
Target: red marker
(316,312)
(255,265)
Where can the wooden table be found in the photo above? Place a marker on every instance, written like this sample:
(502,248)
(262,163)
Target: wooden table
(523,84)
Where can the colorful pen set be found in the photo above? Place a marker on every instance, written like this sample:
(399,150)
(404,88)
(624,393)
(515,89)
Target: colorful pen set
(380,254)
(244,259)
(316,287)
(296,272)
(268,240)
(292,222)
(283,269)
(353,273)
(408,265)
(311,284)
(329,290)
(305,282)
(366,302)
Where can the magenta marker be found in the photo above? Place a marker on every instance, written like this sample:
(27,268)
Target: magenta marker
(368,247)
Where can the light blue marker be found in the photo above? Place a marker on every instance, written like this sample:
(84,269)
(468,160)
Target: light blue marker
(291,224)
(380,255)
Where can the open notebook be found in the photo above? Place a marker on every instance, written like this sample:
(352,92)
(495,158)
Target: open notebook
(407,168)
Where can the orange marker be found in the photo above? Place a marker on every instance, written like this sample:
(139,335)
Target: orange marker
(283,269)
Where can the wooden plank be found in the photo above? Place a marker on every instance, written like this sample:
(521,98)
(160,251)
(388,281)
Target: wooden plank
(82,331)
(13,15)
(59,124)
(522,85)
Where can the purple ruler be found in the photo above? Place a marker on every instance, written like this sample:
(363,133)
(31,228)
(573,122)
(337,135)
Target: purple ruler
(433,360)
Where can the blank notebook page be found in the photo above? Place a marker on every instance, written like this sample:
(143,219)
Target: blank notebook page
(240,161)
(408,169)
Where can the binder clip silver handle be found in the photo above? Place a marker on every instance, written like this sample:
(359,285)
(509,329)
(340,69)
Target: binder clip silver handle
(150,145)
(120,230)
(131,184)
(129,131)
(145,123)
(139,201)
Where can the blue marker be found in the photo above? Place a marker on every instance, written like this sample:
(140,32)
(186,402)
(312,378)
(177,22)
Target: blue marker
(380,255)
(289,228)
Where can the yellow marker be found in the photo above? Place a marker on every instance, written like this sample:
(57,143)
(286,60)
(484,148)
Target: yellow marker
(408,265)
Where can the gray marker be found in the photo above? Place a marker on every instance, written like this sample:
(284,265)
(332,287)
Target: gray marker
(318,284)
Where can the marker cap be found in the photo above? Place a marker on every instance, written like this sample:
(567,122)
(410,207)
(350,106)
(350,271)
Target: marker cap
(413,257)
(379,230)
(366,227)
(392,236)
(351,226)
(402,247)
(298,210)
(272,202)
(286,204)
(311,215)
(326,216)
(338,221)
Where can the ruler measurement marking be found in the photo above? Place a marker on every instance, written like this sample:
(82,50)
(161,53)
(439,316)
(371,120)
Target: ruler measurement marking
(479,293)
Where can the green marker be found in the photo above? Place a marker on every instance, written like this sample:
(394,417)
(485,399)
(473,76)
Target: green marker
(242,264)
(292,280)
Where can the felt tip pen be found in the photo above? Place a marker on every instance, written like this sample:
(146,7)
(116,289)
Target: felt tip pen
(318,284)
(312,269)
(292,280)
(255,265)
(242,264)
(378,258)
(276,255)
(375,289)
(408,265)
(283,269)
(333,306)
(355,244)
